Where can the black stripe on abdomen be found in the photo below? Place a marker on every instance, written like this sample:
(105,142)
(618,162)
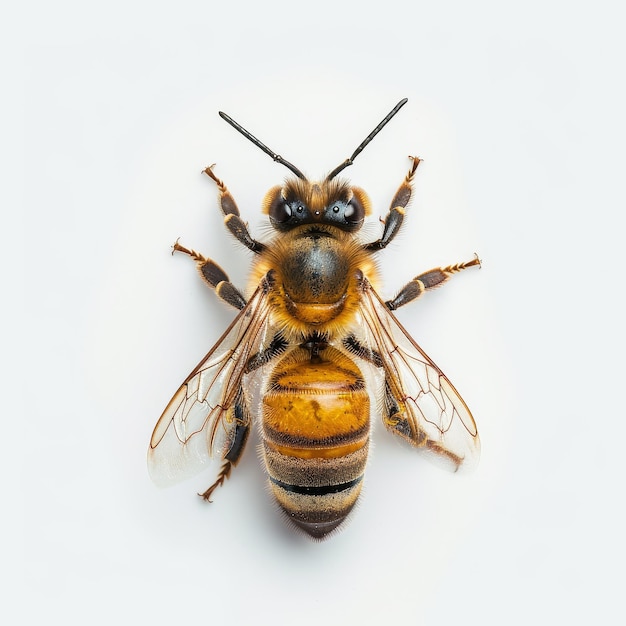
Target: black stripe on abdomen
(320,490)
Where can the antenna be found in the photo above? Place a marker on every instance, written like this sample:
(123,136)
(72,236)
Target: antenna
(262,146)
(369,138)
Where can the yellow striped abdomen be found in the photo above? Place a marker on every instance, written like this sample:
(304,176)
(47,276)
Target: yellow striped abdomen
(316,423)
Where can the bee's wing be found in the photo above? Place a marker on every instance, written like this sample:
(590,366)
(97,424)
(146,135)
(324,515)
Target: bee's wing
(197,424)
(421,405)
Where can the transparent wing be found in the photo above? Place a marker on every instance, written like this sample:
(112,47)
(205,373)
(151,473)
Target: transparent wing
(199,424)
(421,405)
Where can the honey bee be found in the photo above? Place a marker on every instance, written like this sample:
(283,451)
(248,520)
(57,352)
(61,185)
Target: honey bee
(313,355)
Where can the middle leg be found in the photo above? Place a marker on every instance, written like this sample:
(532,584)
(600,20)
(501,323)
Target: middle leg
(215,276)
(428,280)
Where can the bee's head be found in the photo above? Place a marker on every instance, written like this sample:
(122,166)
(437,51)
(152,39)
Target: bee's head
(330,202)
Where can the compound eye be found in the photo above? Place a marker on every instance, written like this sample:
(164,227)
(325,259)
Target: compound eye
(355,212)
(279,210)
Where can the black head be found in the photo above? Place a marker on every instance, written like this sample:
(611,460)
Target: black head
(332,202)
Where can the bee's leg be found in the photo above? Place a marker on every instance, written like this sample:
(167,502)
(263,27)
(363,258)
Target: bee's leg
(277,346)
(353,345)
(395,217)
(391,413)
(393,406)
(390,408)
(232,219)
(215,276)
(240,414)
(428,280)
(394,419)
(227,467)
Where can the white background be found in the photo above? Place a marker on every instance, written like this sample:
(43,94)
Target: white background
(518,111)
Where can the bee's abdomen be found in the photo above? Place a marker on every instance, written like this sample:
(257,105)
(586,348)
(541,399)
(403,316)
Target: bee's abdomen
(316,432)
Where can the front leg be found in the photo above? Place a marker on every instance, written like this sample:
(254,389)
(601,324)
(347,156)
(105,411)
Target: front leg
(428,280)
(232,219)
(395,216)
